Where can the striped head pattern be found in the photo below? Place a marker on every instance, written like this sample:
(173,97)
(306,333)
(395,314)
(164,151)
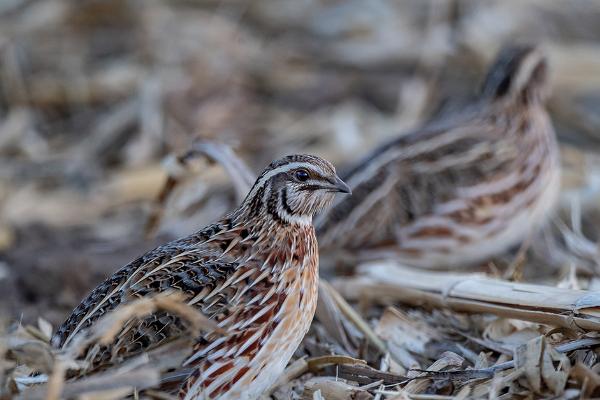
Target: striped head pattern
(518,73)
(293,189)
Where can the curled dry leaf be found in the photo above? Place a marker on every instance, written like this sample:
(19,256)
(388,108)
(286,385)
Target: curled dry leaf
(405,336)
(334,389)
(589,379)
(45,328)
(543,365)
(448,359)
(36,354)
(178,167)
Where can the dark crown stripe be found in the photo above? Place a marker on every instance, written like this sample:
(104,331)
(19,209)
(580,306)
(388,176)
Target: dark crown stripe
(503,74)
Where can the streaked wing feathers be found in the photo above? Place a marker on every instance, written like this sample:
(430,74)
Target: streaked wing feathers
(412,178)
(172,267)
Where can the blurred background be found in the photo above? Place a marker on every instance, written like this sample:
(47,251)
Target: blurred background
(95,95)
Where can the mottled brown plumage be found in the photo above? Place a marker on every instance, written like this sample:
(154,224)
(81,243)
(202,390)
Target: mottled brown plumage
(254,272)
(463,188)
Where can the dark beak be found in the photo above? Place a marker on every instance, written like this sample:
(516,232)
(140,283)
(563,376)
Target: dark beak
(341,186)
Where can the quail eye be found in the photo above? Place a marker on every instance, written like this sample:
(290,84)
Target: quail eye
(301,175)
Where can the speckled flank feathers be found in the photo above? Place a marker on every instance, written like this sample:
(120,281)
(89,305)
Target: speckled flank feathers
(254,272)
(462,189)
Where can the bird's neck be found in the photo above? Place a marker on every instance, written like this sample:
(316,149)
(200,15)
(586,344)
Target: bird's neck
(267,225)
(264,205)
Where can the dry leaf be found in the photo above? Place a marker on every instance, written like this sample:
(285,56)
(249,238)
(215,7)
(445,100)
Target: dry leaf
(542,364)
(334,389)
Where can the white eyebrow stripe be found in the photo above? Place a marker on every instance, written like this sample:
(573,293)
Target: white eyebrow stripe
(282,169)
